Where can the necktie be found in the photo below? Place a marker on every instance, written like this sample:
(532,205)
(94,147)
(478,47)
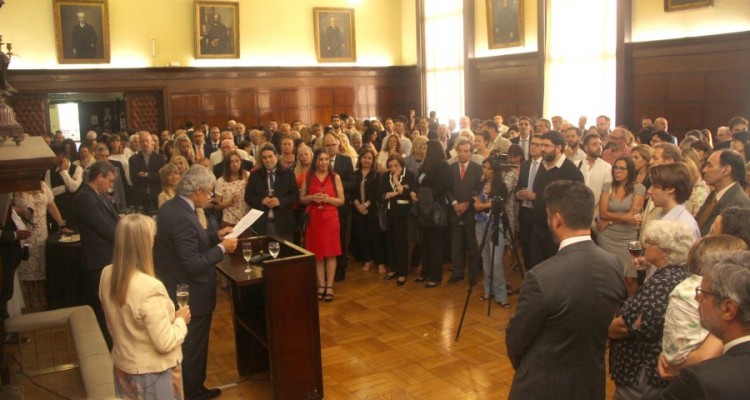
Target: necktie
(463,171)
(271,179)
(532,176)
(200,152)
(703,218)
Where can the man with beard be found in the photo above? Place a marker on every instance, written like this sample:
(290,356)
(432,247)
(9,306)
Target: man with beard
(573,149)
(596,172)
(555,167)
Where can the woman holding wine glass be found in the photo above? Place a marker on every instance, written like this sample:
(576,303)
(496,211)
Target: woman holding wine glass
(323,193)
(620,208)
(146,330)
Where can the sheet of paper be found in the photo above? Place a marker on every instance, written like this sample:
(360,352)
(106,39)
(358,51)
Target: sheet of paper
(245,223)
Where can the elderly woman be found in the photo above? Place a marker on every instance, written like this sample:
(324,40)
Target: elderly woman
(637,333)
(146,330)
(395,190)
(287,156)
(180,162)
(169,175)
(685,341)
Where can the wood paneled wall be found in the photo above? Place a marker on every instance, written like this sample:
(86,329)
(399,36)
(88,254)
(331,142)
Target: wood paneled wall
(250,95)
(694,83)
(506,85)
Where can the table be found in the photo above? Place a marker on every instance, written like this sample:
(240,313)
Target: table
(65,279)
(275,315)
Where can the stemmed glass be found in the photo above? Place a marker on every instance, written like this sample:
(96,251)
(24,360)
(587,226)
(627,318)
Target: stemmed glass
(274,248)
(322,190)
(247,254)
(636,249)
(183,294)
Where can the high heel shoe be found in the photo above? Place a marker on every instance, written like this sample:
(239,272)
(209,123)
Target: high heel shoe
(431,285)
(389,276)
(321,292)
(328,297)
(401,281)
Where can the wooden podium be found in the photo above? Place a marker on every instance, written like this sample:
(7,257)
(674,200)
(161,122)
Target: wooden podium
(275,315)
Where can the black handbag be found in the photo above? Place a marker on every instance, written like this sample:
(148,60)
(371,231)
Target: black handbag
(383,221)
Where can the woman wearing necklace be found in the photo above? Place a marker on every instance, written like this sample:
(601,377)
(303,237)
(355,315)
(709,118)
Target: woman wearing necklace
(396,189)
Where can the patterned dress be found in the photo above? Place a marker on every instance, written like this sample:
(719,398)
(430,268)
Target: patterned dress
(642,348)
(235,190)
(35,269)
(322,235)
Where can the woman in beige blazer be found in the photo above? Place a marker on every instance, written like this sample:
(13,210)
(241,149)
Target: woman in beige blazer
(146,330)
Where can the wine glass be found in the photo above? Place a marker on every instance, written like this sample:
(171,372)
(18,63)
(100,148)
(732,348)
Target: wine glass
(247,254)
(322,190)
(183,294)
(635,248)
(274,248)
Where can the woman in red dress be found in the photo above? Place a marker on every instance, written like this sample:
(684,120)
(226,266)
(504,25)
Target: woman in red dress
(323,193)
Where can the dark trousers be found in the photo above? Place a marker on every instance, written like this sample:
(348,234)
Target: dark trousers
(432,253)
(525,226)
(195,356)
(6,291)
(463,241)
(370,239)
(542,245)
(92,285)
(342,260)
(397,245)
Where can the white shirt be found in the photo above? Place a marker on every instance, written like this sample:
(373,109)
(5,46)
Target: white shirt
(681,214)
(573,240)
(595,176)
(735,342)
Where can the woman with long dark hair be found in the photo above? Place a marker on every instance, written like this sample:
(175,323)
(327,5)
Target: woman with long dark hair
(323,193)
(366,197)
(620,207)
(433,180)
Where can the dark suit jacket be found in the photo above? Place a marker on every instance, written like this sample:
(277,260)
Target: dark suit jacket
(207,150)
(720,378)
(97,219)
(464,189)
(557,337)
(345,169)
(186,253)
(372,188)
(734,196)
(285,189)
(136,164)
(722,145)
(397,205)
(10,248)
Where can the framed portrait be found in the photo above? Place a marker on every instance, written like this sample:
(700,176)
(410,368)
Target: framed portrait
(334,34)
(217,29)
(504,23)
(81,31)
(677,5)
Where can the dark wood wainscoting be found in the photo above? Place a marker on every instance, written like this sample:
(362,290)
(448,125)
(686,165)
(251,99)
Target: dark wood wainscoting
(694,83)
(506,85)
(250,95)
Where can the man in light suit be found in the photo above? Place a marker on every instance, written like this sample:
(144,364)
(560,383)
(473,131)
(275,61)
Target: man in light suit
(278,217)
(185,253)
(97,219)
(723,303)
(466,180)
(342,165)
(557,338)
(723,171)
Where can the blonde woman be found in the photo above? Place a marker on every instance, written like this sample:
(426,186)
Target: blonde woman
(146,330)
(346,148)
(170,175)
(180,162)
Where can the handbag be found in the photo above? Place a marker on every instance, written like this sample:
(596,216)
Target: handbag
(439,215)
(384,223)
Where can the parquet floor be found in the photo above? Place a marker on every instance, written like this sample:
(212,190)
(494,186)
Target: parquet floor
(379,342)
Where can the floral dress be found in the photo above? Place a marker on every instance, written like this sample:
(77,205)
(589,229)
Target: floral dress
(35,269)
(236,190)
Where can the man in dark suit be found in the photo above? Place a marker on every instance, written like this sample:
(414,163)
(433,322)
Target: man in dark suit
(84,38)
(144,173)
(465,183)
(525,195)
(723,171)
(524,136)
(342,165)
(723,298)
(97,219)
(185,253)
(273,189)
(117,192)
(557,338)
(554,167)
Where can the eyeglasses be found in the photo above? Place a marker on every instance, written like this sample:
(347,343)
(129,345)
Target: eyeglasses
(700,290)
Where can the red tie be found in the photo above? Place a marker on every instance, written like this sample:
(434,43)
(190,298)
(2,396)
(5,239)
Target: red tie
(463,171)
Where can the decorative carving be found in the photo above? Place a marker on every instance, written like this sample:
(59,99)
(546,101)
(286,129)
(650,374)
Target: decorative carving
(8,124)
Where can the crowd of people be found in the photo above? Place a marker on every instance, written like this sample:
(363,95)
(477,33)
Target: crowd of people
(412,196)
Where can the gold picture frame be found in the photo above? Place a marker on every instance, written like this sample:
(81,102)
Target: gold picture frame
(334,34)
(217,29)
(505,26)
(81,31)
(679,5)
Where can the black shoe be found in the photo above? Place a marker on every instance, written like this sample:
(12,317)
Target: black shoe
(212,393)
(389,276)
(431,285)
(401,280)
(15,339)
(420,279)
(454,280)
